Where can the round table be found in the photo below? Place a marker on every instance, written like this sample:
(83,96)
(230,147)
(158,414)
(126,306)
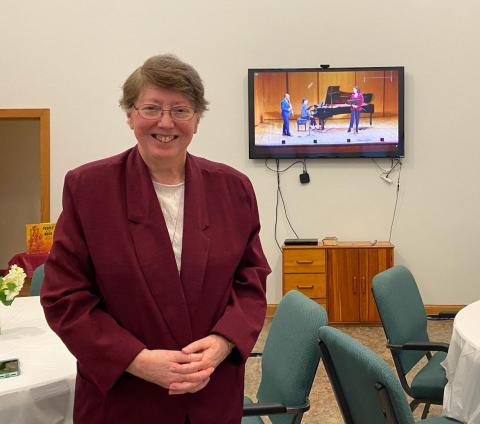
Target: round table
(461,398)
(43,392)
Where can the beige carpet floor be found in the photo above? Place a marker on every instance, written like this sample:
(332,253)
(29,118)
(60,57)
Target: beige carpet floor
(324,409)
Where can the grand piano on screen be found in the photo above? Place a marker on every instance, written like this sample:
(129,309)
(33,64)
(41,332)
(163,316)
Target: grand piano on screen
(336,103)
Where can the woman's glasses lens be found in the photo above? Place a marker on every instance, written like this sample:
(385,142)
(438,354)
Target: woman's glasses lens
(180,113)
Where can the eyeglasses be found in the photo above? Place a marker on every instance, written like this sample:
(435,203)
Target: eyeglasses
(177,113)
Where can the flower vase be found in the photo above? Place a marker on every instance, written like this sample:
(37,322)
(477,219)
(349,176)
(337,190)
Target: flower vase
(3,317)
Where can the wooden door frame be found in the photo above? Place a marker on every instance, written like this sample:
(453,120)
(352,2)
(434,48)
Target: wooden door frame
(43,115)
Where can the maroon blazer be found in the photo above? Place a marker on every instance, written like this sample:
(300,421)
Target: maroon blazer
(112,287)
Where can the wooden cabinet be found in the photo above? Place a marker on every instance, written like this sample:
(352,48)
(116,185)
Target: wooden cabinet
(338,277)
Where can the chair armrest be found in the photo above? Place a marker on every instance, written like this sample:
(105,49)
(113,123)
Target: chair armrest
(421,346)
(256,409)
(442,315)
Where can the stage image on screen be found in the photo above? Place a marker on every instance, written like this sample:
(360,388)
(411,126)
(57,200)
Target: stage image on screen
(343,112)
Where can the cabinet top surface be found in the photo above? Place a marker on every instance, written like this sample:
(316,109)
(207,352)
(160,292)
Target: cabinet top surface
(344,244)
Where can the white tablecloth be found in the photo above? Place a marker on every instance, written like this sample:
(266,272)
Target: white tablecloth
(461,398)
(43,392)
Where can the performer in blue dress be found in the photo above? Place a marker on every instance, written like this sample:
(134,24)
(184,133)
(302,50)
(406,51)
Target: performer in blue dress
(287,110)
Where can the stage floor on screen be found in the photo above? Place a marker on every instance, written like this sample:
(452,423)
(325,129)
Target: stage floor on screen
(335,132)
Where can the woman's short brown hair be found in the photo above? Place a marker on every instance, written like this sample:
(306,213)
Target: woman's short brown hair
(169,72)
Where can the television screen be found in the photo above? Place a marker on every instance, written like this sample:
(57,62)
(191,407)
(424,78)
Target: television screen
(326,112)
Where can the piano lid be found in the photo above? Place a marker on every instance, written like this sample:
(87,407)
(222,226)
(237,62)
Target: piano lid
(335,96)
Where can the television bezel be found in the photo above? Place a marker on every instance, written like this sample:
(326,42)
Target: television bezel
(397,154)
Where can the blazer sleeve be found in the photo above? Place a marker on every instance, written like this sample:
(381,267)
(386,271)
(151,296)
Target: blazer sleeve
(73,308)
(244,315)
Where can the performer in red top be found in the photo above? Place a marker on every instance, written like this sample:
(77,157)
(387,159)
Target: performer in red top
(356,104)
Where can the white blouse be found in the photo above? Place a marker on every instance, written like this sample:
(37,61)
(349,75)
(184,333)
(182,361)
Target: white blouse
(171,198)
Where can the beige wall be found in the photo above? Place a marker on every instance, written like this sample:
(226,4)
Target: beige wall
(72,57)
(19,183)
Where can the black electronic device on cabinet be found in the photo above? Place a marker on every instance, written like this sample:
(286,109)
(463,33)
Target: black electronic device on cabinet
(301,242)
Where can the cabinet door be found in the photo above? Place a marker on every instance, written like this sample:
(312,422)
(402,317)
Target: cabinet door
(343,285)
(371,262)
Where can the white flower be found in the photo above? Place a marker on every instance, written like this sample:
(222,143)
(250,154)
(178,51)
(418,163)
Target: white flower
(16,275)
(11,284)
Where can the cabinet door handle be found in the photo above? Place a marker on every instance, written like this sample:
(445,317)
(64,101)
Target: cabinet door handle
(364,285)
(305,262)
(355,285)
(304,287)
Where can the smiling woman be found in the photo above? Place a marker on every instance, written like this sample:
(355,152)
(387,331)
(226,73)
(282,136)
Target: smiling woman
(161,328)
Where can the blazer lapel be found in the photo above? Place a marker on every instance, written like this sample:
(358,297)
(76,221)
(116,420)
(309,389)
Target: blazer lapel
(196,243)
(153,249)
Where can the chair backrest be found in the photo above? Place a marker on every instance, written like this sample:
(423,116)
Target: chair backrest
(401,310)
(291,354)
(37,280)
(356,374)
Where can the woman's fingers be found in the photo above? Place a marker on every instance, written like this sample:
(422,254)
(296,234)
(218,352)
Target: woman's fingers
(196,346)
(187,387)
(159,367)
(215,349)
(188,368)
(185,357)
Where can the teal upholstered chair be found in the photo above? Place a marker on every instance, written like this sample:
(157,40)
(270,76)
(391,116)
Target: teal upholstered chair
(366,389)
(289,362)
(402,312)
(37,280)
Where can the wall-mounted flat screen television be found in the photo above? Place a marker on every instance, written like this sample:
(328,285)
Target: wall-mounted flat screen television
(326,112)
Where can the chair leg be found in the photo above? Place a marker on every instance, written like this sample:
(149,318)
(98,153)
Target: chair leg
(297,419)
(425,411)
(413,404)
